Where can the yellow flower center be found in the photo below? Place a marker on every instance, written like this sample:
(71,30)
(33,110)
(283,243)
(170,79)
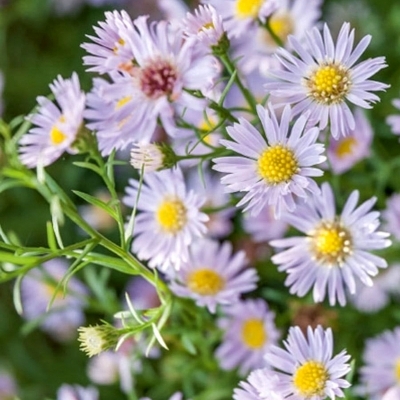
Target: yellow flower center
(171,215)
(397,370)
(329,83)
(331,243)
(282,25)
(345,147)
(121,102)
(253,333)
(310,379)
(277,164)
(57,136)
(205,282)
(248,8)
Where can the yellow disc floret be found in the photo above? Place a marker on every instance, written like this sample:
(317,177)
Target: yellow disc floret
(282,26)
(205,282)
(310,379)
(345,147)
(253,333)
(248,8)
(277,164)
(397,370)
(57,136)
(331,243)
(171,215)
(329,83)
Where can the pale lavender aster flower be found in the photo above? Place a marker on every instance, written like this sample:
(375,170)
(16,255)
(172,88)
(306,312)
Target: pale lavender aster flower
(393,393)
(142,294)
(249,331)
(109,52)
(239,15)
(170,218)
(204,27)
(56,125)
(128,109)
(370,299)
(77,392)
(323,77)
(256,45)
(260,385)
(345,152)
(212,275)
(37,290)
(173,9)
(208,185)
(271,169)
(264,227)
(307,369)
(175,396)
(394,120)
(391,215)
(336,248)
(381,368)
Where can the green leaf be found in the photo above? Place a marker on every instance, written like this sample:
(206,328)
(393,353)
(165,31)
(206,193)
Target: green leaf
(17,295)
(96,202)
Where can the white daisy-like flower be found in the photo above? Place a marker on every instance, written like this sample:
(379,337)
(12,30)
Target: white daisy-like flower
(336,248)
(306,368)
(213,275)
(169,219)
(240,15)
(128,109)
(271,169)
(323,77)
(109,52)
(249,331)
(56,125)
(381,368)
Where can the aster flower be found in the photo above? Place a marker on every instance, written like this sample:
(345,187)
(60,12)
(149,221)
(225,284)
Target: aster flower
(391,215)
(323,77)
(70,392)
(264,227)
(38,289)
(169,221)
(260,385)
(393,393)
(381,368)
(345,152)
(56,125)
(127,109)
(249,331)
(394,120)
(306,368)
(256,46)
(335,250)
(8,387)
(204,26)
(274,168)
(240,15)
(370,299)
(110,52)
(213,275)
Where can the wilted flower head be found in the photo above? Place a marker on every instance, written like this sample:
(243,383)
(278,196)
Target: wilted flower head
(322,78)
(56,124)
